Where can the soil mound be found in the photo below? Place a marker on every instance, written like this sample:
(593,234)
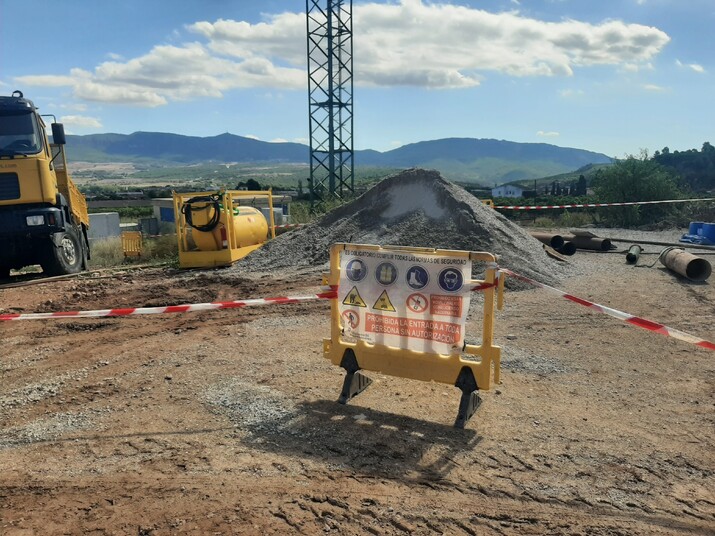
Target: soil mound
(413,208)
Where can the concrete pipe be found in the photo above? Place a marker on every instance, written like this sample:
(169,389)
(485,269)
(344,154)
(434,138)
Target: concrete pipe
(686,264)
(553,240)
(588,242)
(634,252)
(569,248)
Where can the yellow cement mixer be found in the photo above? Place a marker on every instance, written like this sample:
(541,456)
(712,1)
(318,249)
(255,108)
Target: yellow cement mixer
(213,229)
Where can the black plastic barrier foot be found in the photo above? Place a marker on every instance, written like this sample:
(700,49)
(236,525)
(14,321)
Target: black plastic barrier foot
(470,401)
(355,381)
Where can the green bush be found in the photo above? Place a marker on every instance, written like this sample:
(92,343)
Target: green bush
(544,221)
(161,248)
(106,253)
(575,219)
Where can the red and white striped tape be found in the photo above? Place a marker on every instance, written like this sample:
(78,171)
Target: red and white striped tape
(589,205)
(631,319)
(130,311)
(290,225)
(329,294)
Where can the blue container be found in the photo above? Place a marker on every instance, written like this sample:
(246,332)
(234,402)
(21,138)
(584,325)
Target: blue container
(695,228)
(708,231)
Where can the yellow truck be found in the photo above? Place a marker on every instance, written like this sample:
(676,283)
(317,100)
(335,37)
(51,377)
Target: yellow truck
(43,216)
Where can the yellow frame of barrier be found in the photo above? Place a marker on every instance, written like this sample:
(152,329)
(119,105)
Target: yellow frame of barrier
(222,257)
(421,365)
(132,243)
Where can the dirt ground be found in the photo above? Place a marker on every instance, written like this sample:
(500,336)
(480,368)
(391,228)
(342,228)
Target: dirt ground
(226,422)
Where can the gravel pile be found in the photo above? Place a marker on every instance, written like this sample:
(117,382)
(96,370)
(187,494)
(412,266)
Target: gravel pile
(48,429)
(413,208)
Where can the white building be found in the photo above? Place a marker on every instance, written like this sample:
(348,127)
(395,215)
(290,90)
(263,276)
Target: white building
(508,190)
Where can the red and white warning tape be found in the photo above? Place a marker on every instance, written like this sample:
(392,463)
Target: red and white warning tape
(332,293)
(290,225)
(631,319)
(589,205)
(328,294)
(130,311)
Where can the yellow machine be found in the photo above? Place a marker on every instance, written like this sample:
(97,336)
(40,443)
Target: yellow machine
(43,216)
(219,228)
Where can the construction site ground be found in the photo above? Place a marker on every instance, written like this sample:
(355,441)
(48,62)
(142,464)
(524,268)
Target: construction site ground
(226,422)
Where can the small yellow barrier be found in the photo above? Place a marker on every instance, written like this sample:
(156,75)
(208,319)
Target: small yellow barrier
(488,202)
(400,311)
(132,243)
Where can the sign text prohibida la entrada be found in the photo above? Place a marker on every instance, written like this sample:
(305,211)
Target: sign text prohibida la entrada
(405,300)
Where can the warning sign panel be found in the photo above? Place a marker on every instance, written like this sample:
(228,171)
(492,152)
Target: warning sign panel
(353,298)
(406,300)
(383,303)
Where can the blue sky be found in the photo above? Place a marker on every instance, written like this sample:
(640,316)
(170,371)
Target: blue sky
(608,76)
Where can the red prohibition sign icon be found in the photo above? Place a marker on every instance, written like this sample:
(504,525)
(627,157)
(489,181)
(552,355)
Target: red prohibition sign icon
(417,303)
(351,318)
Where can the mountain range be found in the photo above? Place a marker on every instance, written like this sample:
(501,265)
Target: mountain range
(483,161)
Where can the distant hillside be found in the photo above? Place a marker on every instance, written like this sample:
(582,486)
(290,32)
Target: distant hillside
(588,171)
(181,149)
(481,161)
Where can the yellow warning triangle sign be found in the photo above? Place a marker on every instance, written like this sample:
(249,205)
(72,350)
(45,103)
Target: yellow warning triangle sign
(353,298)
(383,303)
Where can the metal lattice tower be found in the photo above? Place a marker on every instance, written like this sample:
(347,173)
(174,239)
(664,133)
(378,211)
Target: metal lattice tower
(330,98)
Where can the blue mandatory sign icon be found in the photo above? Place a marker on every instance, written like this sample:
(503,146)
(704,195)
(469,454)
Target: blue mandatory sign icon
(386,273)
(451,280)
(417,277)
(356,270)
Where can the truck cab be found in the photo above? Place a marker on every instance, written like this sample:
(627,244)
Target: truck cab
(43,216)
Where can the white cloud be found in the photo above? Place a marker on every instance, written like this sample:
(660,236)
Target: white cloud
(693,66)
(637,67)
(567,93)
(279,140)
(80,121)
(251,136)
(548,134)
(410,43)
(653,87)
(73,107)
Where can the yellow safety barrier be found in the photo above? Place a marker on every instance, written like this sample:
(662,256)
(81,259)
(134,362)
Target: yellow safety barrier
(400,311)
(488,202)
(132,243)
(219,228)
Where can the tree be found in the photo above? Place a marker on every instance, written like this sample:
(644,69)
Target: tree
(250,184)
(636,179)
(581,186)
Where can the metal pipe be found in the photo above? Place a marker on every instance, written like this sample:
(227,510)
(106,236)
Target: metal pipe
(553,240)
(589,242)
(569,248)
(655,243)
(634,252)
(686,264)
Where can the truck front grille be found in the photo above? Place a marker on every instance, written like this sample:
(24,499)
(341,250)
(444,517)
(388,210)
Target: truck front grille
(9,186)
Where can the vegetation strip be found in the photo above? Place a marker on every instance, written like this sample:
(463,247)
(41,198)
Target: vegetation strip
(615,313)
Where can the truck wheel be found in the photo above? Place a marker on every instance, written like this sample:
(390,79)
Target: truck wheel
(65,259)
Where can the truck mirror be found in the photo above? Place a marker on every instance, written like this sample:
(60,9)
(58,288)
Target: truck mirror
(58,134)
